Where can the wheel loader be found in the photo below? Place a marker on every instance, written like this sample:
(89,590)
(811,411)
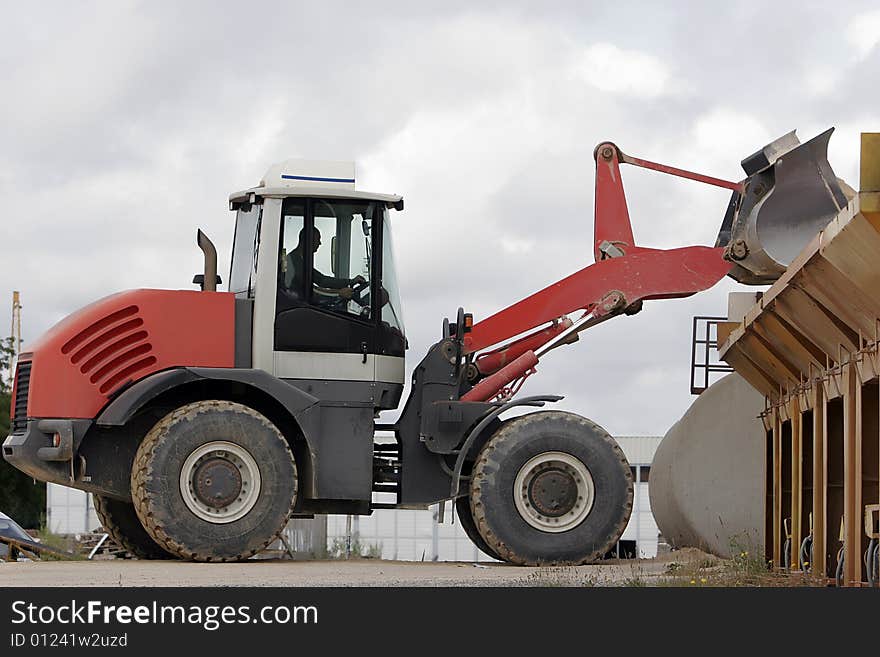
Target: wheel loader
(203,420)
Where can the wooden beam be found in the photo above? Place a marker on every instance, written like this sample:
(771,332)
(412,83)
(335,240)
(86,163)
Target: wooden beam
(796,479)
(869,177)
(750,371)
(852,470)
(777,489)
(820,488)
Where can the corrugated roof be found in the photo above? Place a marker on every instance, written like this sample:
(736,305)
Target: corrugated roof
(639,450)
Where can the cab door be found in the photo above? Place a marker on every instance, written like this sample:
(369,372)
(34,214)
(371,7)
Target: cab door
(325,319)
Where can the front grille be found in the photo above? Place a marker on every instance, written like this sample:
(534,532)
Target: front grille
(22,386)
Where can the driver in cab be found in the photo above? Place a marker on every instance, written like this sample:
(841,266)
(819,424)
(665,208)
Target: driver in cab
(326,286)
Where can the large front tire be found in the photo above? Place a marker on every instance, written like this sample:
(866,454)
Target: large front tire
(551,488)
(122,525)
(214,481)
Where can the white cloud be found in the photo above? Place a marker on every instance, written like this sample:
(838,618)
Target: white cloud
(516,245)
(821,80)
(723,135)
(626,72)
(127,128)
(863,32)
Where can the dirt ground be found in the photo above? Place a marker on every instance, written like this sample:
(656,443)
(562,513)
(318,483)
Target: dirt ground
(364,572)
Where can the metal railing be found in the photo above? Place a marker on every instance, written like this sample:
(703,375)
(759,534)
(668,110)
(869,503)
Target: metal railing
(704,345)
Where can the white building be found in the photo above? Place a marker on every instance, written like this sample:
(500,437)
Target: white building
(404,535)
(69,511)
(407,535)
(417,536)
(642,528)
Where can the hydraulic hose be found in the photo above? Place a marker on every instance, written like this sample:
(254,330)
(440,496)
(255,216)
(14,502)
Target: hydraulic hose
(871,562)
(875,570)
(806,553)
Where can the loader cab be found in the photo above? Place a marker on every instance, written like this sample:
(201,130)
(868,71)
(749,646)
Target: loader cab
(313,261)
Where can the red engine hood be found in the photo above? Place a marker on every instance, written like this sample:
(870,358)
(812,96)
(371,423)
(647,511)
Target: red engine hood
(82,361)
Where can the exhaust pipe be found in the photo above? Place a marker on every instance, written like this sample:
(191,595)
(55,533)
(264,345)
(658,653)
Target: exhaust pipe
(208,281)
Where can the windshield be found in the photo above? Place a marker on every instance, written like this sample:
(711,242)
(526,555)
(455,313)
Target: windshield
(11,530)
(391,311)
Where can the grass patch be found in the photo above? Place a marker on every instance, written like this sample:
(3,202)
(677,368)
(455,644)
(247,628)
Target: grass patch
(59,542)
(359,550)
(560,576)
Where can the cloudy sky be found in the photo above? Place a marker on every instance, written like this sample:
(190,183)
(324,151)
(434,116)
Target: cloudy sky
(125,125)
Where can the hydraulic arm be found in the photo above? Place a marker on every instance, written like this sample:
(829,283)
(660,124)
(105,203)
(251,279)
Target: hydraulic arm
(793,201)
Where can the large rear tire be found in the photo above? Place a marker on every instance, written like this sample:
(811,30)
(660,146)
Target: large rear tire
(551,488)
(122,524)
(214,481)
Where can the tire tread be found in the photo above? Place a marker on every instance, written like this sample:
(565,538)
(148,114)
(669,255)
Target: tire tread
(132,544)
(489,461)
(142,472)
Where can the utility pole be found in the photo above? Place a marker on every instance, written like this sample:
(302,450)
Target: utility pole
(15,333)
(16,322)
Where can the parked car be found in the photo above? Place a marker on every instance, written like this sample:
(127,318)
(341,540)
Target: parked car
(11,529)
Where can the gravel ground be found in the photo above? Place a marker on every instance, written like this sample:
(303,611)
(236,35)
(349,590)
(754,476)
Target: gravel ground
(366,572)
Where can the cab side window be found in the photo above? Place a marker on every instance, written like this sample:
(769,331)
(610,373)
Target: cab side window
(291,269)
(328,259)
(326,255)
(342,243)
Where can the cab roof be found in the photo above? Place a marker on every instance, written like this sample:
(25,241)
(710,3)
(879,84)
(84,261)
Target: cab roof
(322,178)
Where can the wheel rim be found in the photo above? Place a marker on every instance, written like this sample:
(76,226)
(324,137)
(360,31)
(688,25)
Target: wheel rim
(554,492)
(220,482)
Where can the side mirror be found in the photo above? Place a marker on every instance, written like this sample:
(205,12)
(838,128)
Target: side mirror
(333,254)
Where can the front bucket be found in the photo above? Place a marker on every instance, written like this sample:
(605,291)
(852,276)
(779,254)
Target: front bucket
(790,194)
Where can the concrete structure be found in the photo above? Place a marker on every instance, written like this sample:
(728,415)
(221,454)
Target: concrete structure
(707,479)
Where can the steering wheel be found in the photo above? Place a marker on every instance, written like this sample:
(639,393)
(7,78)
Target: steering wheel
(356,291)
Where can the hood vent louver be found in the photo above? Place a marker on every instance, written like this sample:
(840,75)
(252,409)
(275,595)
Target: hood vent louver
(111,350)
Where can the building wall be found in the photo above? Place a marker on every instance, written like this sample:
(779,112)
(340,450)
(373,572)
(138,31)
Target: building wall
(410,535)
(642,528)
(406,535)
(69,511)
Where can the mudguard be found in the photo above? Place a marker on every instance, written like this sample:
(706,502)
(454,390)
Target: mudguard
(129,402)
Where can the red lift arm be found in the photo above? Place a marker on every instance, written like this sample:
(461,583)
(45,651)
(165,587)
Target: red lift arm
(623,276)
